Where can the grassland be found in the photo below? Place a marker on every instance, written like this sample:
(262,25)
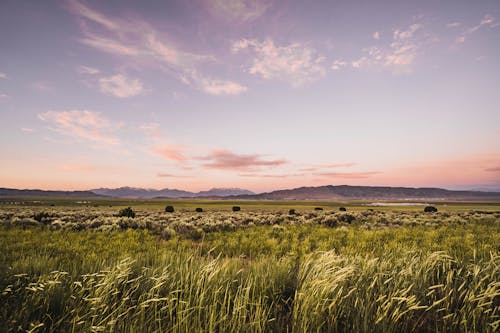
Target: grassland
(81,268)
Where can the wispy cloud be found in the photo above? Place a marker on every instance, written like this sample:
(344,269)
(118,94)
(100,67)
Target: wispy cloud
(139,40)
(82,125)
(236,11)
(213,86)
(269,175)
(494,169)
(224,159)
(171,152)
(121,86)
(348,175)
(88,70)
(170,175)
(152,130)
(486,21)
(44,86)
(3,76)
(293,63)
(453,24)
(328,166)
(376,35)
(27,129)
(405,46)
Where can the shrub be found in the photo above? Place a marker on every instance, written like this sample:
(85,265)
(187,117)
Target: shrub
(168,233)
(291,212)
(199,210)
(430,209)
(41,217)
(342,209)
(169,209)
(127,212)
(348,218)
(318,208)
(236,208)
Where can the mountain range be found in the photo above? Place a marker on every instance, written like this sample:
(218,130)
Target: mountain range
(133,192)
(329,192)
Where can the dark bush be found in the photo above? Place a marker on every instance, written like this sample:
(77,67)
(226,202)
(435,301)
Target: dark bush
(169,209)
(291,212)
(41,217)
(348,218)
(199,210)
(127,212)
(318,208)
(342,209)
(430,209)
(236,208)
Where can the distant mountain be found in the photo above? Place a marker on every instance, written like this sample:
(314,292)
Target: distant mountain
(132,192)
(223,192)
(10,192)
(369,192)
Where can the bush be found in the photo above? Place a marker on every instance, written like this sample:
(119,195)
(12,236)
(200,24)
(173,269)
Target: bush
(127,212)
(169,209)
(342,209)
(236,208)
(168,233)
(348,218)
(318,208)
(41,217)
(430,209)
(291,212)
(199,210)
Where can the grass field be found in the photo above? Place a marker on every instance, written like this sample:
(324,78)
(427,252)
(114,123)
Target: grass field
(369,269)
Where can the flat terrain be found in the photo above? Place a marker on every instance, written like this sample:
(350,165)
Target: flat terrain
(75,265)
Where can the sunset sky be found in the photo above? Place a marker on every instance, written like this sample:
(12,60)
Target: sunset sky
(261,95)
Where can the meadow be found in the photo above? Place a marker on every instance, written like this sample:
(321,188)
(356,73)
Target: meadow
(76,266)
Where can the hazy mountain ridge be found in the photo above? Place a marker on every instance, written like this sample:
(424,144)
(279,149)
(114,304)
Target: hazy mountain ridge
(370,192)
(11,192)
(329,192)
(132,192)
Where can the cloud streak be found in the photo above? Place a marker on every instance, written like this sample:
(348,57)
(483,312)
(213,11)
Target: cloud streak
(486,21)
(348,175)
(171,152)
(406,44)
(238,11)
(227,160)
(82,125)
(138,40)
(121,86)
(293,63)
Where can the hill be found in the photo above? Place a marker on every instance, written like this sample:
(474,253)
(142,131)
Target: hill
(341,192)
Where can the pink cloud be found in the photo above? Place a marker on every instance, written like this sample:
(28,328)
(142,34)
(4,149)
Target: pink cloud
(169,175)
(238,10)
(82,125)
(224,159)
(171,152)
(494,169)
(348,175)
(266,175)
(293,63)
(138,40)
(121,86)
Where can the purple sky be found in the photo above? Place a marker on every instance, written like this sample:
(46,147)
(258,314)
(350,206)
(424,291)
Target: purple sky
(256,94)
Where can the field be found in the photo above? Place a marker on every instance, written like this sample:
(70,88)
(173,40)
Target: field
(75,266)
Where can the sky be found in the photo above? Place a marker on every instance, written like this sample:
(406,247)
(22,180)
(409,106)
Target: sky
(255,94)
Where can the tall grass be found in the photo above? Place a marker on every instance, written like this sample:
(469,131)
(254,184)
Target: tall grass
(264,279)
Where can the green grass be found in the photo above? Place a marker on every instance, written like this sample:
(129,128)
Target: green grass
(282,278)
